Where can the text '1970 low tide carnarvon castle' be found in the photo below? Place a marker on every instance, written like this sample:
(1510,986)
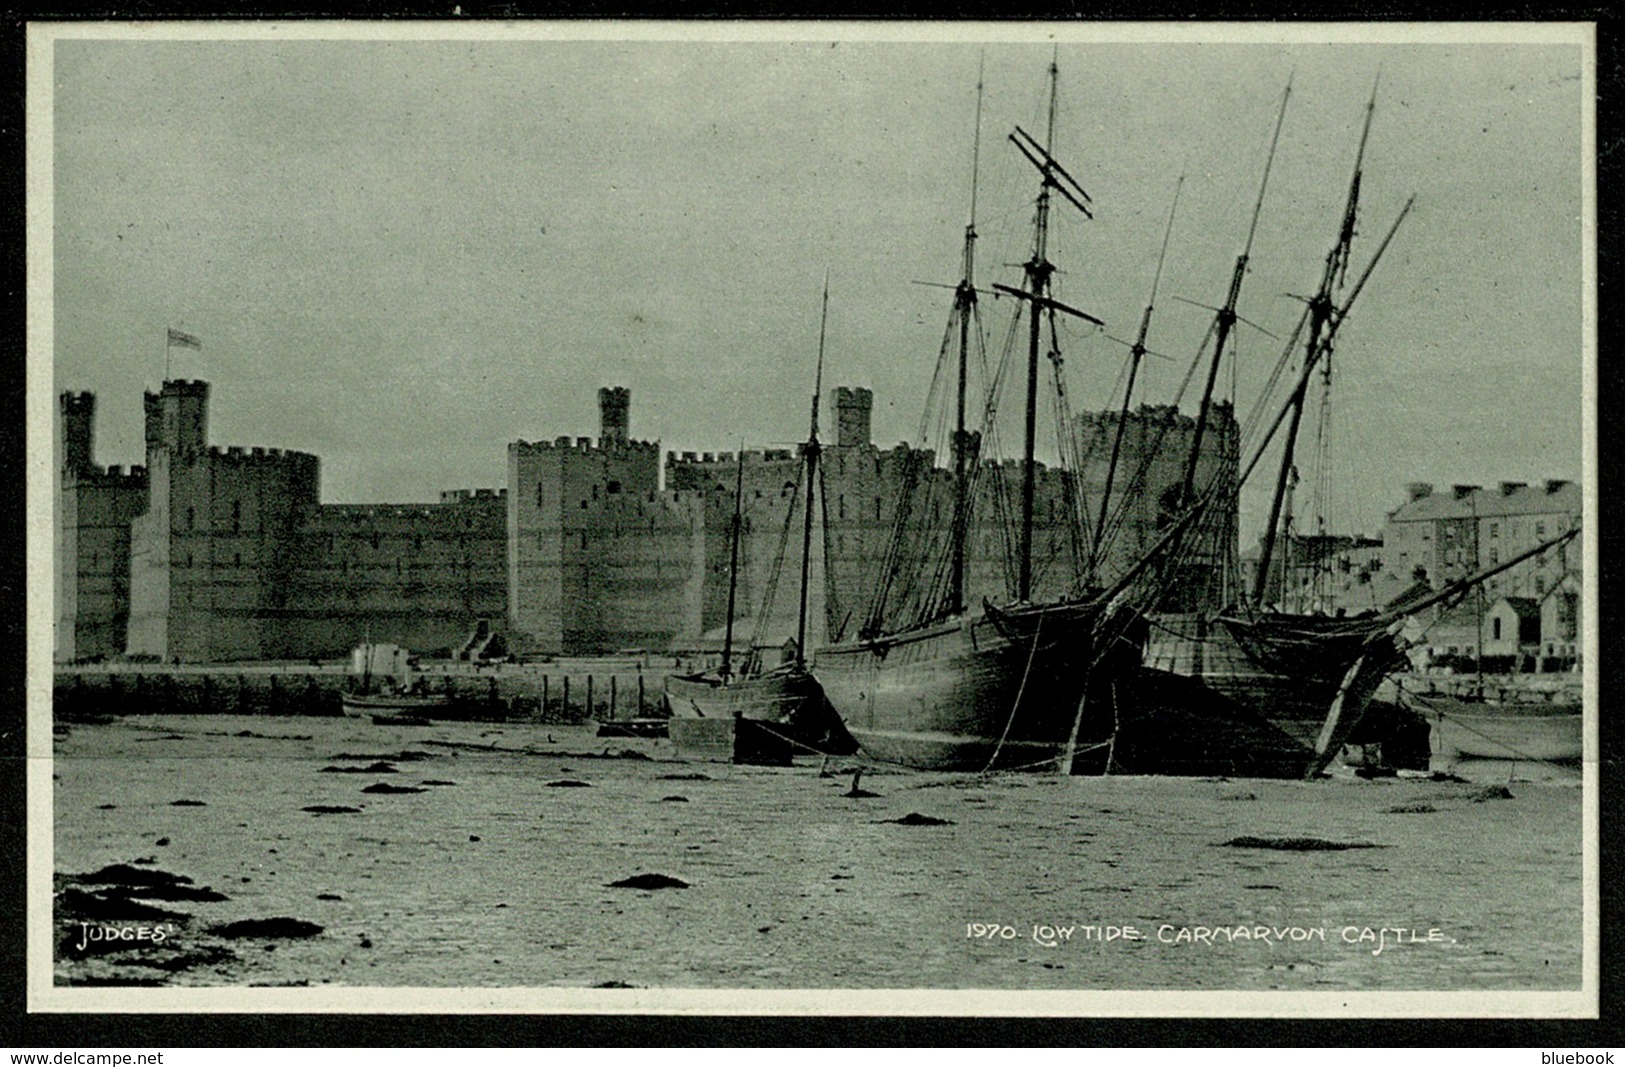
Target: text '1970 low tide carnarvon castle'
(214,554)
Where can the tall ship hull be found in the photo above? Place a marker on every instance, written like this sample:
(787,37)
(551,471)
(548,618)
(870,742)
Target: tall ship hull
(1277,696)
(996,690)
(766,718)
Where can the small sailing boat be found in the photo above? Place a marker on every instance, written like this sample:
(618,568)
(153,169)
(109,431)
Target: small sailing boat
(955,687)
(389,692)
(756,715)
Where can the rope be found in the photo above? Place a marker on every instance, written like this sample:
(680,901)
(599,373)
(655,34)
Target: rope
(1032,654)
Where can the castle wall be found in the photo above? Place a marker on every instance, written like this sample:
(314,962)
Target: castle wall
(770,498)
(417,575)
(1146,490)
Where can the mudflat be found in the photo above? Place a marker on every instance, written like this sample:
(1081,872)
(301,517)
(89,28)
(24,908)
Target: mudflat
(474,867)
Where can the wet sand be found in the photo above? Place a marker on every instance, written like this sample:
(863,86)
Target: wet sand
(501,876)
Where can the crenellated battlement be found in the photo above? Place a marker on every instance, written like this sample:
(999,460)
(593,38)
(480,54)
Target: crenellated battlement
(258,456)
(114,477)
(753,457)
(564,443)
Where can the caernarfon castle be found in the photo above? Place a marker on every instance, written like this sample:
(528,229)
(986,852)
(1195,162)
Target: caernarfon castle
(210,553)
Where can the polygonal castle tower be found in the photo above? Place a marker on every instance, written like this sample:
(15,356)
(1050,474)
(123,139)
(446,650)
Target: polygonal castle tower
(210,558)
(561,495)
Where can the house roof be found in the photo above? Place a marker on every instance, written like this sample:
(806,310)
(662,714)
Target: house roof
(1522,606)
(1549,498)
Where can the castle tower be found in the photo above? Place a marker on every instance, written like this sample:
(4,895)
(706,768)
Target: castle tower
(77,440)
(852,409)
(614,416)
(177,418)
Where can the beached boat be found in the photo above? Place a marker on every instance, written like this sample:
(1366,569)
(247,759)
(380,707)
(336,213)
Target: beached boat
(1516,717)
(758,715)
(384,705)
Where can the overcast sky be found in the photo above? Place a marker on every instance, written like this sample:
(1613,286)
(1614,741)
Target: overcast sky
(403,255)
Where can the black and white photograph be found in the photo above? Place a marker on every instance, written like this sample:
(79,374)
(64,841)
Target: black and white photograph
(812,518)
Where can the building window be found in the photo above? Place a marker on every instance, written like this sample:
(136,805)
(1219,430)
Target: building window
(191,519)
(1495,629)
(538,494)
(1495,529)
(1540,585)
(1495,556)
(615,487)
(236,516)
(236,559)
(1540,530)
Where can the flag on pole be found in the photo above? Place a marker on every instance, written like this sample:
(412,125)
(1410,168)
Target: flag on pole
(177,339)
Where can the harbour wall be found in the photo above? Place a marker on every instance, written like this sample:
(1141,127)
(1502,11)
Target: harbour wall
(571,691)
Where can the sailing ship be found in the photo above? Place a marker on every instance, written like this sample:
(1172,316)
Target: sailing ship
(944,685)
(1257,688)
(761,715)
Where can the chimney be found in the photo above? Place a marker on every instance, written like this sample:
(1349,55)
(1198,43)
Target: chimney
(614,416)
(852,411)
(1462,492)
(1508,488)
(1417,490)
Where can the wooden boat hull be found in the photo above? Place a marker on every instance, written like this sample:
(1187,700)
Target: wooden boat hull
(995,690)
(640,728)
(1277,700)
(765,718)
(401,719)
(1545,731)
(359,704)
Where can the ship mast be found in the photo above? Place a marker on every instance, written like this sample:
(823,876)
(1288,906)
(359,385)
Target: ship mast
(1136,354)
(1225,320)
(810,452)
(1321,311)
(964,309)
(733,567)
(1039,270)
